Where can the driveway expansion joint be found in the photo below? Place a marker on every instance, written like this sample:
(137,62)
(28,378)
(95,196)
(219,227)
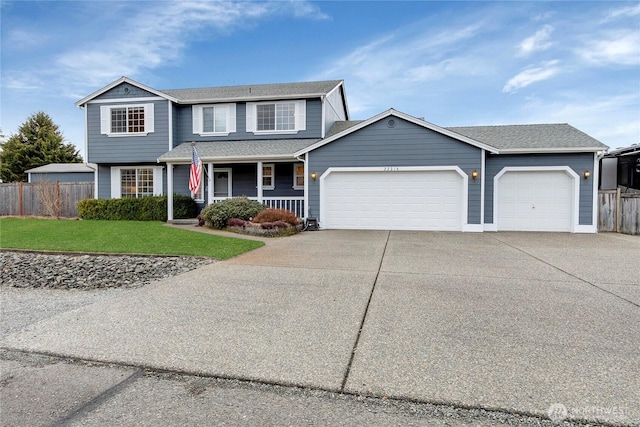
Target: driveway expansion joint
(364,316)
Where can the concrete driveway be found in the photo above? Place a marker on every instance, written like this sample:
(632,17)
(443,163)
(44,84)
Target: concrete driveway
(510,321)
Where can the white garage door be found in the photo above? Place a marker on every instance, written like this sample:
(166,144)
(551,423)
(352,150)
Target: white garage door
(535,201)
(407,200)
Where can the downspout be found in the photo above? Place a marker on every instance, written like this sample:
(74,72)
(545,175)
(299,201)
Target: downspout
(306,186)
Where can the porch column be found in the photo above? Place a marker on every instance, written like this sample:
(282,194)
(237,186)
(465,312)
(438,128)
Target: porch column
(169,191)
(210,183)
(259,182)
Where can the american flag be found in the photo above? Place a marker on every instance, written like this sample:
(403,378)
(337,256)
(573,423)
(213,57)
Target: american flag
(196,170)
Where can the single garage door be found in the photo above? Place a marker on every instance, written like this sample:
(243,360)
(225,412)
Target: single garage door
(396,200)
(535,201)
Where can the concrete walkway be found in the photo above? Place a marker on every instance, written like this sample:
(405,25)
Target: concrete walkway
(508,321)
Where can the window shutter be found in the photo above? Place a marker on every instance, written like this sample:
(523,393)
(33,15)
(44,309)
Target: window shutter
(196,111)
(149,124)
(115,182)
(231,118)
(251,117)
(301,115)
(105,119)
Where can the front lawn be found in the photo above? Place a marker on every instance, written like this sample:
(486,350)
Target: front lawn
(127,237)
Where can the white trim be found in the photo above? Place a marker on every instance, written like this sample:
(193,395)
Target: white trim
(575,208)
(115,100)
(323,112)
(305,162)
(105,120)
(300,121)
(464,226)
(549,150)
(229,186)
(169,192)
(210,168)
(197,113)
(259,187)
(86,136)
(116,181)
(482,184)
(585,229)
(414,120)
(472,228)
(170,110)
(595,179)
(273,176)
(123,79)
(95,183)
(490,227)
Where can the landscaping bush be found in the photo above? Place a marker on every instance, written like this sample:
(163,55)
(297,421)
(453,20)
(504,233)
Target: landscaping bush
(217,214)
(235,222)
(141,209)
(274,215)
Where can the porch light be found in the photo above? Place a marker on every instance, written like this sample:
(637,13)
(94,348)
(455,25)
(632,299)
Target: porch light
(314,176)
(587,174)
(474,174)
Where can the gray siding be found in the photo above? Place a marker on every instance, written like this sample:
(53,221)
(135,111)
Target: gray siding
(578,162)
(118,92)
(184,129)
(406,144)
(62,176)
(127,150)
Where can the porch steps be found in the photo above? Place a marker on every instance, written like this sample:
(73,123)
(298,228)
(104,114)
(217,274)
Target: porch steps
(188,221)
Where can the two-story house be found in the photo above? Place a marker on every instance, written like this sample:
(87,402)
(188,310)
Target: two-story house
(293,146)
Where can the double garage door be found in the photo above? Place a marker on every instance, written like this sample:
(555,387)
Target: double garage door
(393,200)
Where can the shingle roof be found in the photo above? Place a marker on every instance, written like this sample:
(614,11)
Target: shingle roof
(62,168)
(262,91)
(234,150)
(534,137)
(530,137)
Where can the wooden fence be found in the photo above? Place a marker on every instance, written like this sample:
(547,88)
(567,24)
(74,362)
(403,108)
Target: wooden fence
(619,212)
(55,199)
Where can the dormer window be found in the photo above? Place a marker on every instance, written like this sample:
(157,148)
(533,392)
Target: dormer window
(126,120)
(276,117)
(215,120)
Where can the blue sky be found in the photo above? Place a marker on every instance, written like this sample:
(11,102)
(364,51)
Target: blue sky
(454,63)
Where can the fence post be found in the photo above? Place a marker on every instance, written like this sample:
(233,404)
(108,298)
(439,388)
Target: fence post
(618,212)
(58,201)
(20,199)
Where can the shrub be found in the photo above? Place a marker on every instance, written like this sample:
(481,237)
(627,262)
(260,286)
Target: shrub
(273,215)
(217,214)
(266,226)
(141,209)
(235,222)
(280,224)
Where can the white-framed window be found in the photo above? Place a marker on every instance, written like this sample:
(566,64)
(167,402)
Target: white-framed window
(298,176)
(127,119)
(136,181)
(214,119)
(276,117)
(268,176)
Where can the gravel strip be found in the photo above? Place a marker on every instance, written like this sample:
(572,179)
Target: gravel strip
(86,272)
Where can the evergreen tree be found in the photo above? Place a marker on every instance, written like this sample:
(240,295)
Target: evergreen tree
(37,143)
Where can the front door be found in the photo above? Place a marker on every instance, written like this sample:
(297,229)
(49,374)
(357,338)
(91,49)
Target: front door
(221,183)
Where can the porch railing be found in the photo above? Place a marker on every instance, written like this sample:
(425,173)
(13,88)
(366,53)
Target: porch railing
(293,204)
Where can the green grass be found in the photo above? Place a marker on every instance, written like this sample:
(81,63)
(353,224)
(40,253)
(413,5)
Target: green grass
(128,237)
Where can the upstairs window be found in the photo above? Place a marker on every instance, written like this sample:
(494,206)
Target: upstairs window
(217,120)
(276,117)
(126,120)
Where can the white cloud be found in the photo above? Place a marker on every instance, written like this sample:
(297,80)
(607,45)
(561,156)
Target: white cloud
(630,11)
(532,74)
(616,47)
(20,39)
(537,42)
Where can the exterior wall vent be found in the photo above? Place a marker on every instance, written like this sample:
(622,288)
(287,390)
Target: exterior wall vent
(391,123)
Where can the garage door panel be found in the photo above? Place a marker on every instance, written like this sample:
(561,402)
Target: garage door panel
(535,201)
(415,200)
